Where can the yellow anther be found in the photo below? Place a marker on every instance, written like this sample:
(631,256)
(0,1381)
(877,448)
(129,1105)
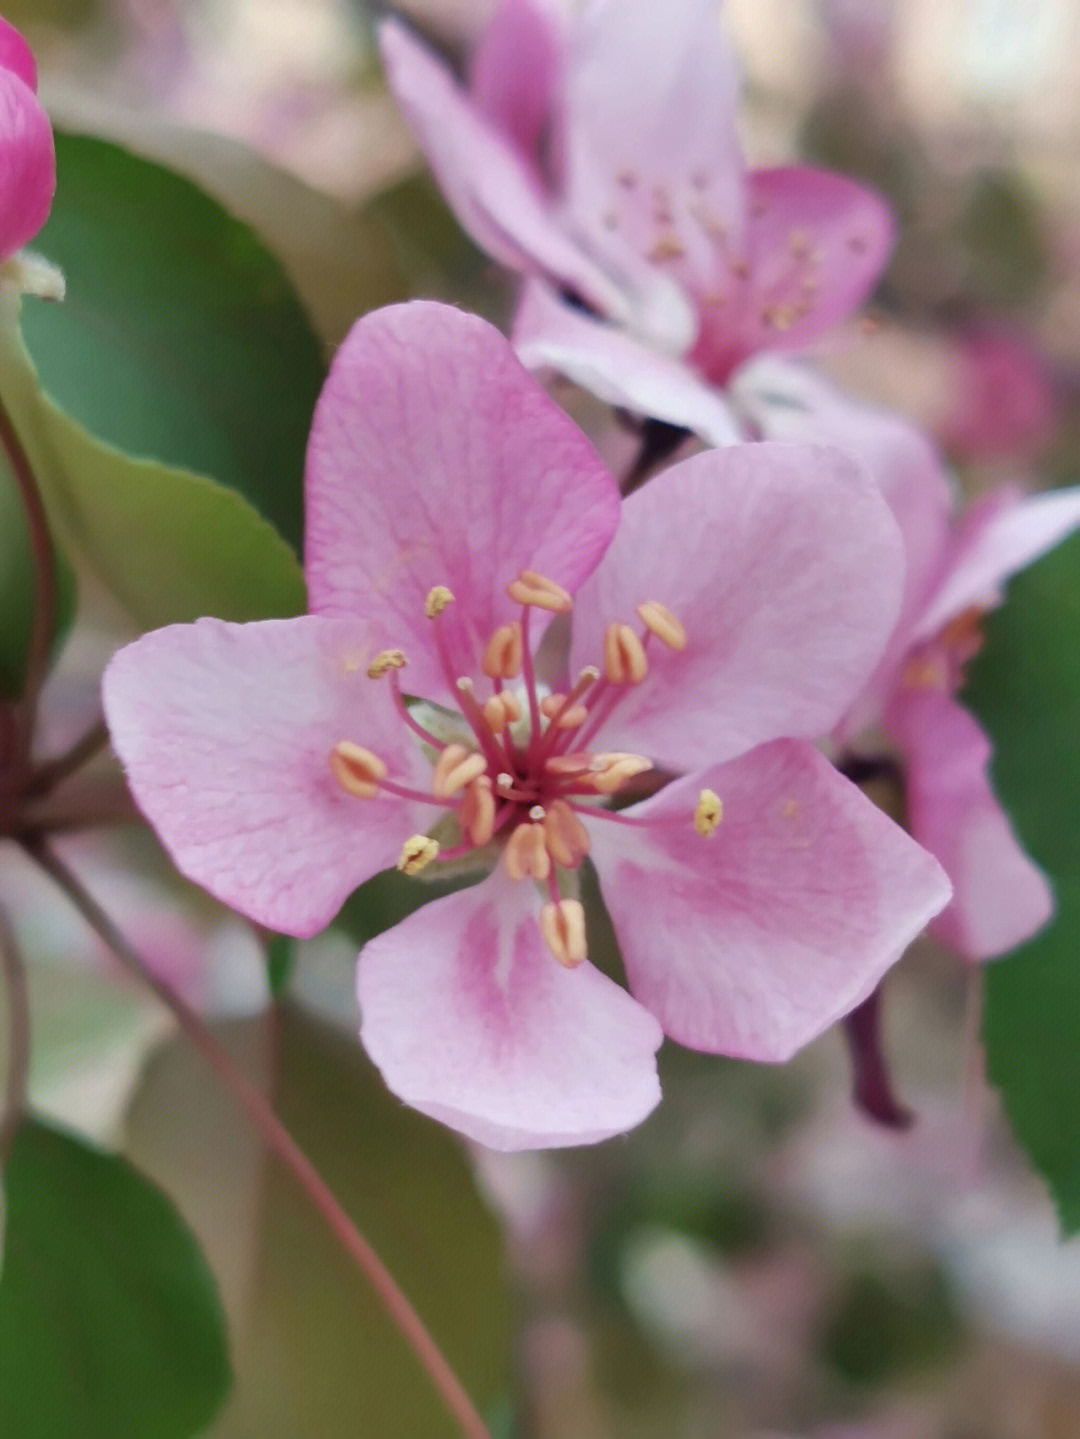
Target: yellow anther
(624,656)
(500,710)
(503,656)
(567,838)
(659,620)
(569,765)
(526,853)
(668,246)
(454,769)
(417,853)
(563,928)
(531,588)
(609,772)
(476,813)
(438,598)
(356,769)
(779,317)
(708,812)
(570,718)
(386,660)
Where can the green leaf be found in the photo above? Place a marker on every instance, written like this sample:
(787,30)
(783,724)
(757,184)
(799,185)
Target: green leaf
(170,545)
(1025,690)
(318,1353)
(109,1319)
(181,338)
(18,584)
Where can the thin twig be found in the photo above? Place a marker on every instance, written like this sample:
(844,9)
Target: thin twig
(51,772)
(18,1066)
(278,1138)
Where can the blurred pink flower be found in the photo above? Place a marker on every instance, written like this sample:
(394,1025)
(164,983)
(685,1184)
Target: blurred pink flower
(1003,399)
(597,153)
(452,511)
(957,567)
(27,160)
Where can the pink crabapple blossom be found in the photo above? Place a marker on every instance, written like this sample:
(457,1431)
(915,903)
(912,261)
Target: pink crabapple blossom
(956,569)
(595,151)
(717,621)
(27,162)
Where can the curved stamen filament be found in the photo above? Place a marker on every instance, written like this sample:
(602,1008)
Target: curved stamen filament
(410,722)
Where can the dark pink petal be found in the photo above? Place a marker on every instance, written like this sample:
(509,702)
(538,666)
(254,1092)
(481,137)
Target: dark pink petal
(496,193)
(653,161)
(472,1020)
(27,163)
(754,940)
(16,55)
(785,567)
(618,369)
(436,459)
(1001,898)
(998,536)
(816,246)
(225,732)
(515,71)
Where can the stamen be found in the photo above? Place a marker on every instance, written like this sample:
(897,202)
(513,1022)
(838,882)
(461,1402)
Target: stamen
(526,853)
(384,661)
(567,838)
(565,766)
(500,710)
(356,769)
(417,853)
(609,772)
(624,656)
(531,588)
(438,598)
(708,812)
(476,814)
(659,620)
(454,769)
(502,658)
(563,928)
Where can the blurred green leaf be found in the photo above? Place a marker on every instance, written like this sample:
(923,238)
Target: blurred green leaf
(1025,689)
(389,897)
(170,545)
(110,1323)
(18,580)
(180,339)
(883,1326)
(319,1355)
(280,962)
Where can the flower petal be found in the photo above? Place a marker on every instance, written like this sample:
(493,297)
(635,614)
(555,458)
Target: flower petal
(16,55)
(754,940)
(515,70)
(27,163)
(225,732)
(473,1021)
(997,536)
(436,459)
(784,566)
(816,245)
(1001,897)
(616,368)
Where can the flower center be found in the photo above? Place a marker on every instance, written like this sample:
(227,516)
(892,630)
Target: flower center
(519,770)
(941,662)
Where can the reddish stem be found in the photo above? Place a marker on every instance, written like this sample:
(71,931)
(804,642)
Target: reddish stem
(18,1038)
(278,1138)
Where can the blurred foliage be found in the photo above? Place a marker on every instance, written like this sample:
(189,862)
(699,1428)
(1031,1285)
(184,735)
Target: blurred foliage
(882,1325)
(110,1323)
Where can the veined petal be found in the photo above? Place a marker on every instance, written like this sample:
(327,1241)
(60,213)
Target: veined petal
(615,367)
(515,70)
(472,1020)
(1001,897)
(436,459)
(997,536)
(784,566)
(27,163)
(226,732)
(754,940)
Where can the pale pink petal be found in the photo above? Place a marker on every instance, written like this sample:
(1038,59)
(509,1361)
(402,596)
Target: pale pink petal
(472,1020)
(753,940)
(816,245)
(1001,897)
(515,71)
(785,567)
(652,147)
(225,732)
(16,55)
(619,370)
(998,536)
(436,459)
(496,193)
(27,163)
(787,402)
